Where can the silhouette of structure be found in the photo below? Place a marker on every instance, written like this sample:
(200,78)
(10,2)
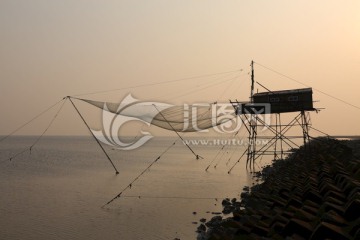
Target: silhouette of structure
(257,113)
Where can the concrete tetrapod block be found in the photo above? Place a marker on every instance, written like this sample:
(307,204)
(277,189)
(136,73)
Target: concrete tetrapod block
(329,231)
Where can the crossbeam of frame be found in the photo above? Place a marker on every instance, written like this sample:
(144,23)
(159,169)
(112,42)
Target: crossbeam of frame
(279,130)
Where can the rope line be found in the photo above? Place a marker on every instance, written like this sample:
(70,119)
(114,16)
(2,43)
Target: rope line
(206,169)
(135,179)
(174,197)
(237,161)
(221,157)
(196,155)
(199,87)
(221,149)
(327,94)
(232,154)
(42,134)
(227,152)
(156,83)
(320,131)
(37,116)
(228,87)
(208,86)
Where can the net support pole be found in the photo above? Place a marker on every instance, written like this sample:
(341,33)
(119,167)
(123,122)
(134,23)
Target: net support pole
(102,148)
(196,155)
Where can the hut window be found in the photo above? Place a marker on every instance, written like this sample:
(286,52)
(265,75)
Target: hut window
(275,99)
(293,98)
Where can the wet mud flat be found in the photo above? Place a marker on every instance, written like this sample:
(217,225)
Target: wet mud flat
(312,194)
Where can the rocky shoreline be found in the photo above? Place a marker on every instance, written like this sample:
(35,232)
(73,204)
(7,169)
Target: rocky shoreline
(312,194)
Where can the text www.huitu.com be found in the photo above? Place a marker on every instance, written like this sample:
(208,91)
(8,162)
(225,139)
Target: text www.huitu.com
(221,142)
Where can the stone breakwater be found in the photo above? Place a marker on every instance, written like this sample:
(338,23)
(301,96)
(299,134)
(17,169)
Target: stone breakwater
(313,194)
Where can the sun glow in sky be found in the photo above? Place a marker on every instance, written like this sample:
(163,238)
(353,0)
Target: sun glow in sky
(52,49)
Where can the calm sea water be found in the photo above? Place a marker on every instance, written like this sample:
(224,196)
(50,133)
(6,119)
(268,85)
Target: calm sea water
(57,191)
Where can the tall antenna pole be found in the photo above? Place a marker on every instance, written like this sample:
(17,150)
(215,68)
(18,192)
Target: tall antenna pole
(252,81)
(252,125)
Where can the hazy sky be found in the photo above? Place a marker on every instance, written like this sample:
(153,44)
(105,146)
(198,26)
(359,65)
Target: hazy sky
(51,49)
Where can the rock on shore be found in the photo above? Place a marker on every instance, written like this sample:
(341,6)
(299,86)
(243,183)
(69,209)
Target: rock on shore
(313,194)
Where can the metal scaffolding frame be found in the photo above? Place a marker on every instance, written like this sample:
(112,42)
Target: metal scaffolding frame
(279,140)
